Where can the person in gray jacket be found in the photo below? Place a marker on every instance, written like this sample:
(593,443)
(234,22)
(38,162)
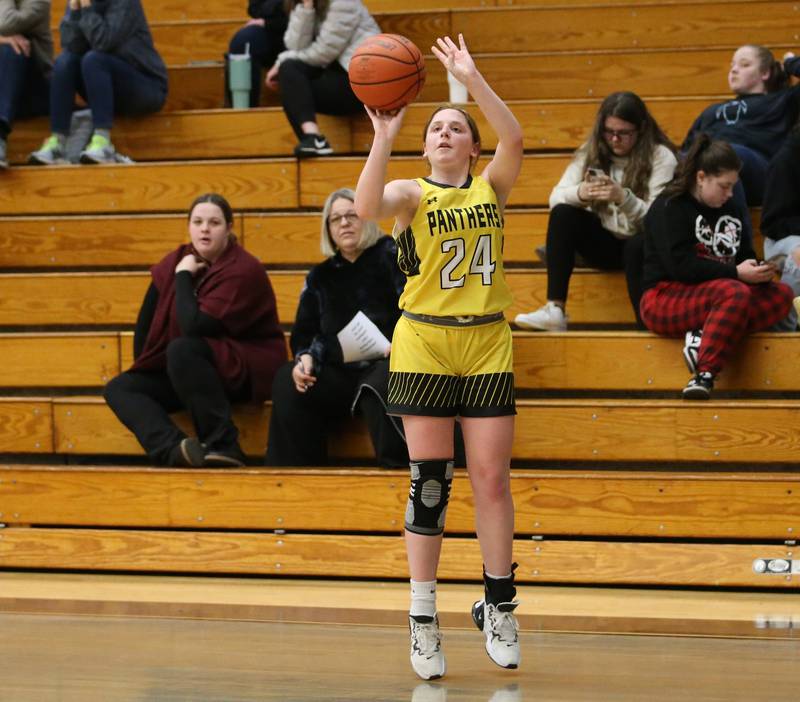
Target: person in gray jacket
(26,58)
(312,73)
(108,58)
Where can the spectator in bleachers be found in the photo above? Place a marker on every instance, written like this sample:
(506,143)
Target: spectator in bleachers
(26,59)
(700,271)
(262,38)
(312,72)
(780,217)
(109,59)
(207,336)
(598,206)
(756,121)
(360,274)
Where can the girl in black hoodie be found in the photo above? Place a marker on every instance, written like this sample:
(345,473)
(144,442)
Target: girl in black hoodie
(700,272)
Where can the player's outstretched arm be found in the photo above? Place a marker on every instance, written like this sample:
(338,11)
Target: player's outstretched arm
(504,168)
(375,198)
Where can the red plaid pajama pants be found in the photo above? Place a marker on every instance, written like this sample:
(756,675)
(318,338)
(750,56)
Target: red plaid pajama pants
(725,309)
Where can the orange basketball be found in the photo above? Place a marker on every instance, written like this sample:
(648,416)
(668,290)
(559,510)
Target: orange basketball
(387,71)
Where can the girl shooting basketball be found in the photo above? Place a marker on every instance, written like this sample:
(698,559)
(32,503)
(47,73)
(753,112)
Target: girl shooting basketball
(451,349)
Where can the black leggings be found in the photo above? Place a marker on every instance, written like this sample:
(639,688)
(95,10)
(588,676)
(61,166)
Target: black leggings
(572,230)
(306,90)
(143,400)
(300,422)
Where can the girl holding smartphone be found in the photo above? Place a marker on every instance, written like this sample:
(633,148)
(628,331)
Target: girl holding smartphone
(600,201)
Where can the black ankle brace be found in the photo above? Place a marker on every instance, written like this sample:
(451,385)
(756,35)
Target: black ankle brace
(497,590)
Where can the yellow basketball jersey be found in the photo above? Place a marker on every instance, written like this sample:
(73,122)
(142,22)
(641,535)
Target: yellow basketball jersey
(452,252)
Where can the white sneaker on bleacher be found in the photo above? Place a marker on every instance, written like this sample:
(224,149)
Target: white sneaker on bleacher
(427,658)
(550,317)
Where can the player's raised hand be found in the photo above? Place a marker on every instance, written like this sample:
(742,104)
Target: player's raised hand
(386,124)
(455,59)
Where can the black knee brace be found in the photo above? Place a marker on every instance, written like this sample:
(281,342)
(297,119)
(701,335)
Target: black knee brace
(427,499)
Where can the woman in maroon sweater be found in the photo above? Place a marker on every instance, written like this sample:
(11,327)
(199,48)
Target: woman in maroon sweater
(207,336)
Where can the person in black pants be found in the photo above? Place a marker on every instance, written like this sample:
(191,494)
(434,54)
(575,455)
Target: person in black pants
(262,37)
(320,386)
(312,73)
(207,336)
(598,206)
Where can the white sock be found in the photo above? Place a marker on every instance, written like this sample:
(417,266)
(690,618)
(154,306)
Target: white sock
(423,598)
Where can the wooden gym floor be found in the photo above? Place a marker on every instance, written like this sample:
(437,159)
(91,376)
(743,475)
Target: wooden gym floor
(69,637)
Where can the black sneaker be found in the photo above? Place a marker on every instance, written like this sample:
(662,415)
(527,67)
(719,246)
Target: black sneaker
(188,453)
(229,457)
(699,387)
(313,145)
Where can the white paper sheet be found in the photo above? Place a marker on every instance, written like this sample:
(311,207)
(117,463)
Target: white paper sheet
(361,340)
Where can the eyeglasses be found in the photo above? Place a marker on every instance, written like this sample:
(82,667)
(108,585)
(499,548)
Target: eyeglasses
(618,133)
(336,220)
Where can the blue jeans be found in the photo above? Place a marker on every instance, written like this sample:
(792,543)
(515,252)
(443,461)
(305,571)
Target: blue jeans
(753,174)
(790,274)
(749,190)
(109,85)
(24,88)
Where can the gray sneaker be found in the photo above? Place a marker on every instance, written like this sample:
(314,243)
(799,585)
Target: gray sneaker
(99,150)
(3,157)
(51,153)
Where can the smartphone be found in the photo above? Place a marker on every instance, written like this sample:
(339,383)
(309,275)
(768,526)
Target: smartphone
(594,173)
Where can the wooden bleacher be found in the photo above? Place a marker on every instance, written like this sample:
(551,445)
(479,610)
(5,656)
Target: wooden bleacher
(109,298)
(575,360)
(291,238)
(520,29)
(204,134)
(180,521)
(574,430)
(616,481)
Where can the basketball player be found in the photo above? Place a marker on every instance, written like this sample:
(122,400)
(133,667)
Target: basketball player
(451,349)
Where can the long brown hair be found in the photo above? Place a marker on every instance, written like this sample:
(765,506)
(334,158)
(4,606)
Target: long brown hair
(712,156)
(597,153)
